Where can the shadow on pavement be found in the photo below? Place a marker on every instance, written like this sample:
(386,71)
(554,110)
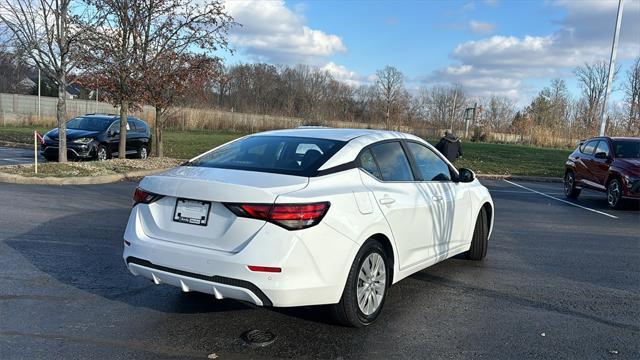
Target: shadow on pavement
(91,260)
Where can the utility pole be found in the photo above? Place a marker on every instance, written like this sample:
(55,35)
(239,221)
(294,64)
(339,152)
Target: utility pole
(612,66)
(453,108)
(39,117)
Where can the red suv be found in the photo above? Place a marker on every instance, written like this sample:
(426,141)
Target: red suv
(610,164)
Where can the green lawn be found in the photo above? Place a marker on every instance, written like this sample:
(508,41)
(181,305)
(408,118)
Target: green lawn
(512,159)
(177,144)
(187,144)
(480,157)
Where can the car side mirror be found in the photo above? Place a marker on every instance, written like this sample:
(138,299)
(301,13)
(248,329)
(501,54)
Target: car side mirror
(601,155)
(466,175)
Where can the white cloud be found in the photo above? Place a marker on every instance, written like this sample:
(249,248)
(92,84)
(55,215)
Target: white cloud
(274,33)
(341,73)
(470,6)
(503,64)
(479,27)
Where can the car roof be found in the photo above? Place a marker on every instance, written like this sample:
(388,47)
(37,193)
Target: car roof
(339,134)
(109,117)
(625,138)
(612,138)
(356,139)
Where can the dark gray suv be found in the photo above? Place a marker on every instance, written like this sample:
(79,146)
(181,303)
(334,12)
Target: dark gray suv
(96,136)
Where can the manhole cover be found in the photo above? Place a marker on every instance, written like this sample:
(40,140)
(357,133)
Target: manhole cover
(258,337)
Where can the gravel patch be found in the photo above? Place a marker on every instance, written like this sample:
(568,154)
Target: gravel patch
(91,168)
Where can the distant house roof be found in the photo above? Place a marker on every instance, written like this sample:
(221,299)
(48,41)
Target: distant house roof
(73,90)
(26,83)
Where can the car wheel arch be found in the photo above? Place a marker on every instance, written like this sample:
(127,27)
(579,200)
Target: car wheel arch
(488,208)
(387,242)
(611,176)
(388,249)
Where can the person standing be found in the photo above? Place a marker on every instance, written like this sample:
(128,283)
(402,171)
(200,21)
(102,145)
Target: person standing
(450,146)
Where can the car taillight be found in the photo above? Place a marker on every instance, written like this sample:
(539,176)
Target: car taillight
(144,197)
(289,216)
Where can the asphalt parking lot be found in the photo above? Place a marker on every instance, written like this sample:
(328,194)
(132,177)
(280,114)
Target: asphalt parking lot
(559,281)
(13,156)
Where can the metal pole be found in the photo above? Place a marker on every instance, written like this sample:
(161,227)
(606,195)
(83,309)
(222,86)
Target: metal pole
(39,117)
(35,150)
(453,108)
(612,66)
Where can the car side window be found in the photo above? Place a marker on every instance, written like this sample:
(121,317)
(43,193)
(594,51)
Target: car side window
(589,147)
(430,165)
(368,163)
(603,147)
(131,126)
(392,161)
(115,126)
(140,126)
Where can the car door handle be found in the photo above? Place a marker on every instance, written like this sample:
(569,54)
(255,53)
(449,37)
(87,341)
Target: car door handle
(437,198)
(386,201)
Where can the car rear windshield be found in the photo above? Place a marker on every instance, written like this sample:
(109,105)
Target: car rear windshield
(627,149)
(87,123)
(274,154)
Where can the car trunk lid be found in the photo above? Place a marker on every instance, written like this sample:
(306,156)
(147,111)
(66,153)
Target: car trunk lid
(223,231)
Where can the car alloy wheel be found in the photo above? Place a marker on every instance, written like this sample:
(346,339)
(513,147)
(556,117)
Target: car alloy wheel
(568,183)
(613,193)
(143,153)
(102,154)
(371,283)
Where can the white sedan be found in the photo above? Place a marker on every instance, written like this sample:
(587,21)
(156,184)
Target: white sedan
(307,216)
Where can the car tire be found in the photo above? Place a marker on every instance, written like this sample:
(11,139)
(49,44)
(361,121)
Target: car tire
(101,153)
(480,241)
(349,311)
(50,158)
(570,190)
(143,152)
(614,193)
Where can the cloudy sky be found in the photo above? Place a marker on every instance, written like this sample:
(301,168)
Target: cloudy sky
(509,48)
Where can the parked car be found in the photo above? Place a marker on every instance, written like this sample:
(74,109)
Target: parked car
(608,164)
(307,217)
(97,136)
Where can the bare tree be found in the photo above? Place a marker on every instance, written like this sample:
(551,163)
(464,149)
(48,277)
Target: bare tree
(111,52)
(389,83)
(13,71)
(43,32)
(444,104)
(172,29)
(169,78)
(632,94)
(592,78)
(498,112)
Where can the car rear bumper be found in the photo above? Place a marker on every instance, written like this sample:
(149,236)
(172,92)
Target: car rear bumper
(314,265)
(219,286)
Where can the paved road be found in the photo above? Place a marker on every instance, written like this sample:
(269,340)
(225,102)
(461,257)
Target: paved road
(13,156)
(560,281)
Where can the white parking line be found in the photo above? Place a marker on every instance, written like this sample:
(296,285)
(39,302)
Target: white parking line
(530,193)
(563,201)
